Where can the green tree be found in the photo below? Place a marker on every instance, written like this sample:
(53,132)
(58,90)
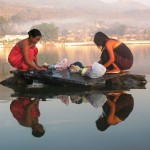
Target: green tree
(49,31)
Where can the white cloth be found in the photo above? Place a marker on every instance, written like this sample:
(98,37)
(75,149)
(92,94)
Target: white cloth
(97,99)
(61,65)
(98,70)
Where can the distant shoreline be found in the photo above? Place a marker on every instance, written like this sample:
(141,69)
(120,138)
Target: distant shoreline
(91,43)
(137,42)
(88,43)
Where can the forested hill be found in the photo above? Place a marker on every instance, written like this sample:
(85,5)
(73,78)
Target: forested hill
(27,10)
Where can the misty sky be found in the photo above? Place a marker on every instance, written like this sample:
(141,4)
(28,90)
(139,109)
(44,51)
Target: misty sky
(146,2)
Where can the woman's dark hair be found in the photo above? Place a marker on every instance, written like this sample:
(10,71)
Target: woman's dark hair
(34,33)
(100,39)
(102,124)
(37,133)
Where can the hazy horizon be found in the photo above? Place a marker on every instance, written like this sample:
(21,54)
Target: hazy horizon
(145,2)
(74,15)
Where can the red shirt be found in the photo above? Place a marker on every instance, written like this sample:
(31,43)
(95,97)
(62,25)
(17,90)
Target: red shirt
(16,58)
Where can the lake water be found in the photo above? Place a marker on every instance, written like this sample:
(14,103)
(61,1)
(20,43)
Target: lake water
(69,119)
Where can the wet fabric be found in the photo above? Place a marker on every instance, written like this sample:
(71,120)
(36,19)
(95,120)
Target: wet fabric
(19,106)
(16,59)
(123,57)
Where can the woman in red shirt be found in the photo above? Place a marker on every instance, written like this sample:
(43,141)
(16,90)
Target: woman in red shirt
(23,55)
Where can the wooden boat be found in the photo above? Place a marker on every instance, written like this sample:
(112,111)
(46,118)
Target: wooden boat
(65,78)
(45,84)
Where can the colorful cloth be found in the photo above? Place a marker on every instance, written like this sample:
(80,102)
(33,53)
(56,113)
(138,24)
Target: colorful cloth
(62,64)
(19,106)
(16,59)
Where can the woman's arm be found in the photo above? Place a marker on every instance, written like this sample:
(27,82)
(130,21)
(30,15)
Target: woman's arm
(112,119)
(27,120)
(109,46)
(115,94)
(25,51)
(35,61)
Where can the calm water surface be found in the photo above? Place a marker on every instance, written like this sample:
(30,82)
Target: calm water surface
(69,119)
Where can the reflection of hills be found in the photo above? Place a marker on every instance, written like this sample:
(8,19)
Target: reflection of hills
(124,10)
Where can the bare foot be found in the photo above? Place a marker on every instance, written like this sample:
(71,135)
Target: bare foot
(113,71)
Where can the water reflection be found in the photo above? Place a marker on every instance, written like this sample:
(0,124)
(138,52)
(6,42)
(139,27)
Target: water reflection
(27,113)
(116,109)
(116,105)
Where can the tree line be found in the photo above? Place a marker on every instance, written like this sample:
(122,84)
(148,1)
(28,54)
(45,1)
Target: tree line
(49,31)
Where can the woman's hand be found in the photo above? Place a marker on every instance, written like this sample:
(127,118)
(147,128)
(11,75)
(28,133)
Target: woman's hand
(41,68)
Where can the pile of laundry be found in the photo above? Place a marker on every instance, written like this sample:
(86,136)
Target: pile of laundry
(95,70)
(61,65)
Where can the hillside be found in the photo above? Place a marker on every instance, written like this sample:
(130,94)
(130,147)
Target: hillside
(125,11)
